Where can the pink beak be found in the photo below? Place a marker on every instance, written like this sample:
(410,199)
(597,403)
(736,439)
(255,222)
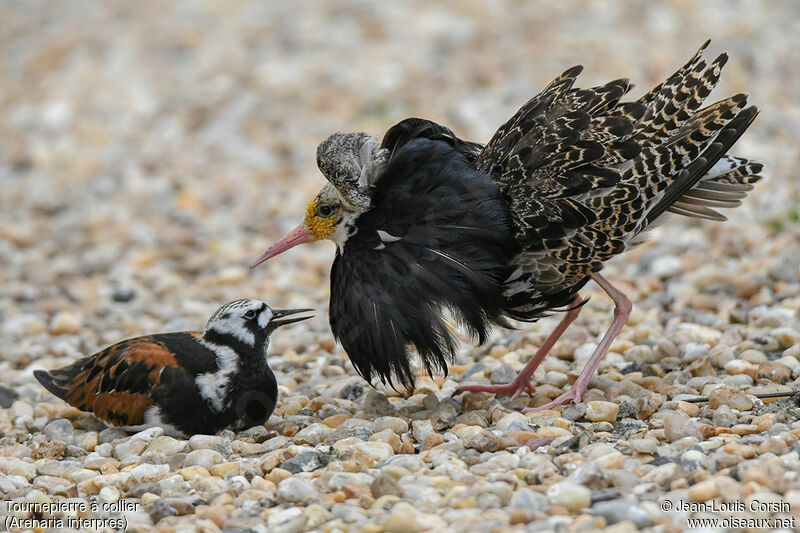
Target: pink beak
(298,235)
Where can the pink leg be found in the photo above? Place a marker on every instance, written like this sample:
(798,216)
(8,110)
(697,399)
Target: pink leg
(622,311)
(523,379)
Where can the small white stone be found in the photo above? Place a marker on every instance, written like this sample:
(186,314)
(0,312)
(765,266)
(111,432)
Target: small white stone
(694,351)
(313,434)
(109,494)
(504,423)
(23,469)
(295,489)
(396,424)
(167,445)
(584,351)
(375,450)
(570,495)
(421,429)
(203,457)
(128,449)
(65,322)
(645,445)
(340,479)
(557,379)
(147,472)
(19,409)
(202,442)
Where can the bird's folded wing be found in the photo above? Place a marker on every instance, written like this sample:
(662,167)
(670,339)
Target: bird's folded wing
(117,384)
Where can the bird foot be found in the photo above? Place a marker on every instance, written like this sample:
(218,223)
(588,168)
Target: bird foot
(515,388)
(573,395)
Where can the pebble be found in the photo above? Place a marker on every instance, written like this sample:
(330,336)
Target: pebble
(203,457)
(598,411)
(397,425)
(402,519)
(724,417)
(313,434)
(421,429)
(61,430)
(774,371)
(443,416)
(65,323)
(677,426)
(483,441)
(730,396)
(135,444)
(205,442)
(306,462)
(372,452)
(148,472)
(569,495)
(166,445)
(295,490)
(645,445)
(617,511)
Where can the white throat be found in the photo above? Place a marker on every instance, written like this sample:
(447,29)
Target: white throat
(345,229)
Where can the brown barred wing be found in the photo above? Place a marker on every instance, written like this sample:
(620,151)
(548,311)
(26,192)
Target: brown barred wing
(561,149)
(585,175)
(116,384)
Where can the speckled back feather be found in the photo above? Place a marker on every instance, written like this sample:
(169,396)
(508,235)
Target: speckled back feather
(585,175)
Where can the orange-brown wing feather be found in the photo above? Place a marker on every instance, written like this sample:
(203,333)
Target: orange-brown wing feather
(116,384)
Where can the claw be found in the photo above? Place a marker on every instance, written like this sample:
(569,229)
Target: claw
(573,395)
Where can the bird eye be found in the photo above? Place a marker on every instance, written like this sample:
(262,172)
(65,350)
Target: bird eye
(324,210)
(251,314)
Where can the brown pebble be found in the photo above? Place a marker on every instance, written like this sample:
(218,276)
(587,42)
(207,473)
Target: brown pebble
(677,426)
(521,516)
(109,468)
(216,514)
(774,445)
(432,440)
(51,449)
(774,371)
(667,348)
(701,367)
(730,396)
(327,343)
(538,442)
(707,430)
(334,421)
(745,451)
(355,490)
(483,441)
(744,429)
(475,401)
(645,407)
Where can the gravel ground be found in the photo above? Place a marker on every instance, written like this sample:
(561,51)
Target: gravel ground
(150,150)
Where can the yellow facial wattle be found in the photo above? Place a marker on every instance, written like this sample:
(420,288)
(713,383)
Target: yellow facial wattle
(320,228)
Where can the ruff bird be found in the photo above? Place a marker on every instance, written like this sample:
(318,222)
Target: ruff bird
(430,227)
(189,382)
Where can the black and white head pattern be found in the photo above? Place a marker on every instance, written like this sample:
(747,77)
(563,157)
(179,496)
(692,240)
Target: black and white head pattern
(245,320)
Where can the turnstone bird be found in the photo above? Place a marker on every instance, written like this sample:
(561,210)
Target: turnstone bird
(427,223)
(189,382)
